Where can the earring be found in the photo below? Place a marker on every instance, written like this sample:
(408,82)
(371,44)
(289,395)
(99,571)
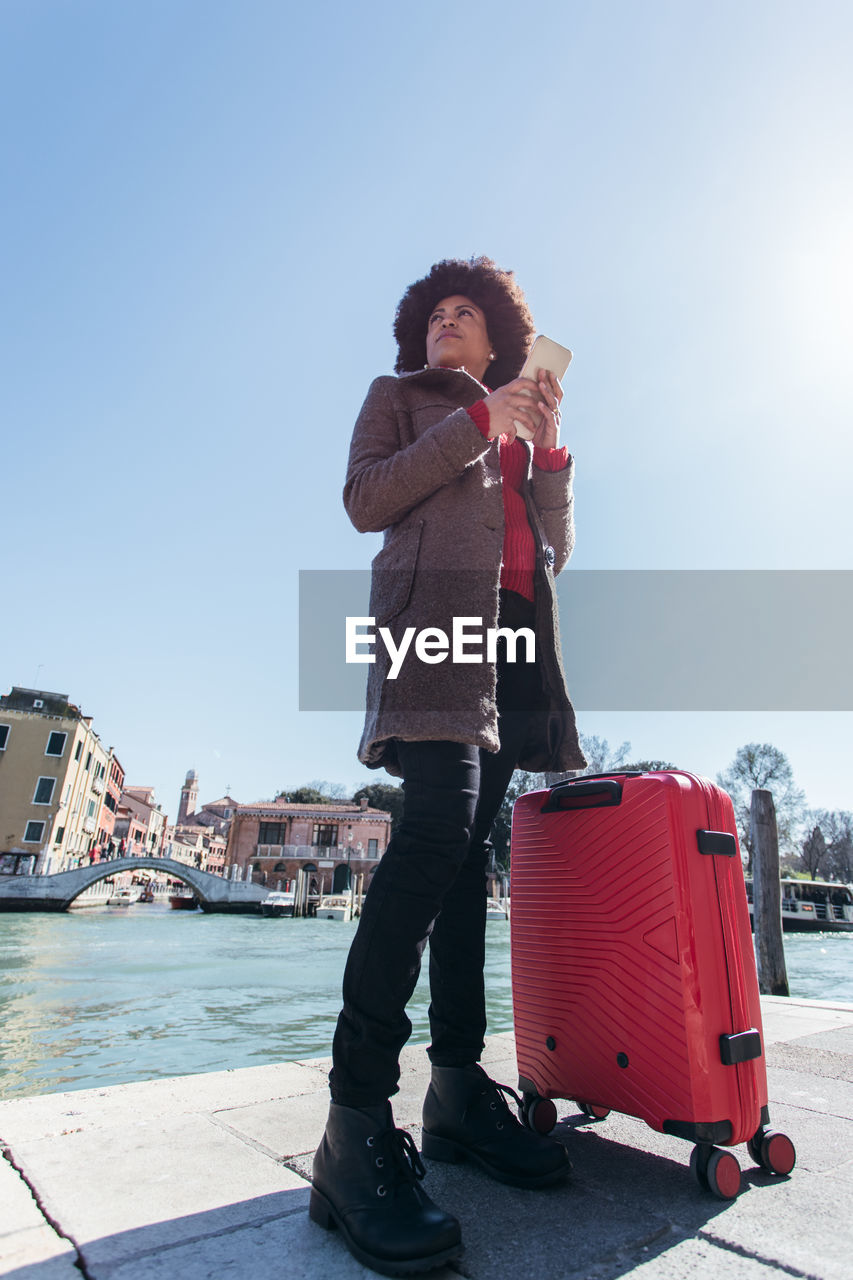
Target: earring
(492,355)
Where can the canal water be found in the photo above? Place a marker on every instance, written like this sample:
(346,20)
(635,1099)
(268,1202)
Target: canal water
(98,997)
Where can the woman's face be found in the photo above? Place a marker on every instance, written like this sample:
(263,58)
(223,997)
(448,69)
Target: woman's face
(457,336)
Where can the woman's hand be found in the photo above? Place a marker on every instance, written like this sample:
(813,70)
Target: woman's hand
(528,402)
(550,395)
(515,400)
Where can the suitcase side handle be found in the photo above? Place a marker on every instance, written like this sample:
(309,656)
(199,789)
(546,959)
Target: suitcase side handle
(583,794)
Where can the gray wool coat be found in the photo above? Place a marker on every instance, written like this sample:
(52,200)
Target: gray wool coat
(420,470)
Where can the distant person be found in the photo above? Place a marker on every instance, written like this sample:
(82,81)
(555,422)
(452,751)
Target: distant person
(476,524)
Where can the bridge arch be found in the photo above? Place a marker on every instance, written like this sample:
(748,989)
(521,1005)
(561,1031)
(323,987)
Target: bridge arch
(85,877)
(57,892)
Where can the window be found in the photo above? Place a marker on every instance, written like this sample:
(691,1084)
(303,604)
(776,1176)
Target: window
(4,736)
(90,809)
(55,744)
(34,833)
(44,791)
(88,762)
(272,833)
(109,801)
(60,832)
(78,753)
(325,833)
(373,848)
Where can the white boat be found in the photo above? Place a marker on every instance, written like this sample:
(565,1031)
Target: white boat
(497,909)
(813,906)
(336,906)
(123,898)
(279,903)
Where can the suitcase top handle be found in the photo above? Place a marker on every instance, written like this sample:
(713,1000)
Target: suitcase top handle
(583,793)
(588,777)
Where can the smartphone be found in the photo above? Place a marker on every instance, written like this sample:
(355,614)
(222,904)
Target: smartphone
(544,354)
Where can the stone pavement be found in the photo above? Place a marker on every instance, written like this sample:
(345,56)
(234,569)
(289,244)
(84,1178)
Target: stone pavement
(203,1177)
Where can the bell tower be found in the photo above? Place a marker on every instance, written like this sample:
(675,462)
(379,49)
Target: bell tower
(189,797)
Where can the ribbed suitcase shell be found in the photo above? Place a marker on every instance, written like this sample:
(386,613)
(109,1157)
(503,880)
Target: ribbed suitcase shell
(632,955)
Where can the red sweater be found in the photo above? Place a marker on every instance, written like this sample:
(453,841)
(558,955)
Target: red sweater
(519,549)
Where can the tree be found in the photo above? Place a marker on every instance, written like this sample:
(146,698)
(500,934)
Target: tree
(599,755)
(381,795)
(335,792)
(650,766)
(303,795)
(813,852)
(765,767)
(316,792)
(520,782)
(837,828)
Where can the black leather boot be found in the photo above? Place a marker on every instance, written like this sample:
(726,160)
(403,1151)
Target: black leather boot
(466,1117)
(367,1177)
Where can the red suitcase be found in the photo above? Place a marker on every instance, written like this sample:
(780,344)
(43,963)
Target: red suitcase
(633,972)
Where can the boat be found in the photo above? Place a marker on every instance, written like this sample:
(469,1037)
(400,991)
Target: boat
(147,894)
(183,902)
(497,908)
(123,898)
(279,903)
(336,906)
(813,906)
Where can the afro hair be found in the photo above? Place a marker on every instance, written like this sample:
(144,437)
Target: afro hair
(508,319)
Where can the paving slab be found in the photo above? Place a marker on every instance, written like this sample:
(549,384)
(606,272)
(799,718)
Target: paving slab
(27,1240)
(822,1094)
(288,1247)
(112,1189)
(206,1177)
(696,1260)
(52,1114)
(786,1019)
(803,1228)
(282,1129)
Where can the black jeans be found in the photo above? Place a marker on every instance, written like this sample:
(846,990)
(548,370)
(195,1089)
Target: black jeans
(431,885)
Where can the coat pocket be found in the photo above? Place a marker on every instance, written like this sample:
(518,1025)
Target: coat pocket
(393,574)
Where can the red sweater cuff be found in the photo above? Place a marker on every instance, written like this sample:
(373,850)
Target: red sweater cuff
(550,459)
(479,415)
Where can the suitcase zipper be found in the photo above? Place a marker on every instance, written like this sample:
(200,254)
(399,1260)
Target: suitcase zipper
(737,1049)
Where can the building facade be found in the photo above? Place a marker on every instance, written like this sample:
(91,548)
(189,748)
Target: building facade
(196,847)
(334,844)
(54,774)
(109,811)
(140,824)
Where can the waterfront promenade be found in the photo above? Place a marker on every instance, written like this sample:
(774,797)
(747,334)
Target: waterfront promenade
(205,1177)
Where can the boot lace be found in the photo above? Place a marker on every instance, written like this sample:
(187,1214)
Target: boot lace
(398,1159)
(499,1100)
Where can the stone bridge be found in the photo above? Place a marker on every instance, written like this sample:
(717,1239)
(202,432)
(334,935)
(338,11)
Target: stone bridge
(57,892)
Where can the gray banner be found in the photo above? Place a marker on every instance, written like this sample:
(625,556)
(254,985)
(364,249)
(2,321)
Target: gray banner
(637,640)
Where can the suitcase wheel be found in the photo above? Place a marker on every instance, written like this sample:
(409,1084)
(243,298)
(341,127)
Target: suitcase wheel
(538,1114)
(774,1151)
(594,1111)
(716,1171)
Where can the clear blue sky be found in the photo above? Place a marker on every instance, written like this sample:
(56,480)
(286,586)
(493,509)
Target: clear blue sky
(210,210)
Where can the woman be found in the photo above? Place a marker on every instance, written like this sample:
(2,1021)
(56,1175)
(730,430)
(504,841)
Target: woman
(476,524)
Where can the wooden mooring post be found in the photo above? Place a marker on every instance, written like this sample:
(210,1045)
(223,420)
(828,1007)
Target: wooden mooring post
(767,896)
